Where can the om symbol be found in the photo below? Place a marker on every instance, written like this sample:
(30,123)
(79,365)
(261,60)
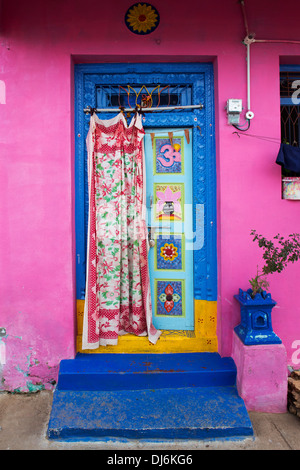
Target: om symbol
(170,155)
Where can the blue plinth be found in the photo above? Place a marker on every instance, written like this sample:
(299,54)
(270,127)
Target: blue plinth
(256,321)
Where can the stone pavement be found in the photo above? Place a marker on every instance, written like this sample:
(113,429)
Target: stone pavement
(24,420)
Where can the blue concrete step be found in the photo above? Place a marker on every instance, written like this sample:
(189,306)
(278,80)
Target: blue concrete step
(148,396)
(166,413)
(145,371)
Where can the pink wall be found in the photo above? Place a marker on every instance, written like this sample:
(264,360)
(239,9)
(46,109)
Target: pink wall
(39,43)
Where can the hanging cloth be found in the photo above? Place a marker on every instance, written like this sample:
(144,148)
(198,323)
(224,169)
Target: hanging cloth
(118,299)
(289,157)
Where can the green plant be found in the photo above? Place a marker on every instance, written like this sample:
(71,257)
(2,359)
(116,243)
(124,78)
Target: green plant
(278,252)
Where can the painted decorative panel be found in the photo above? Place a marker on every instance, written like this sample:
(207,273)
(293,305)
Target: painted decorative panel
(142,18)
(169,295)
(168,155)
(169,201)
(170,193)
(169,252)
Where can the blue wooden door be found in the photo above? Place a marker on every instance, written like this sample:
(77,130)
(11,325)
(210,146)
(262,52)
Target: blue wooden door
(169,195)
(184,169)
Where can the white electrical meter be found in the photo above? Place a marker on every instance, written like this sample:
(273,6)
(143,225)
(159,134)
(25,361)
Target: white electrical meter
(234,108)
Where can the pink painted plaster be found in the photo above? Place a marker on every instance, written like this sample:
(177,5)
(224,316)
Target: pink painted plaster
(261,376)
(40,42)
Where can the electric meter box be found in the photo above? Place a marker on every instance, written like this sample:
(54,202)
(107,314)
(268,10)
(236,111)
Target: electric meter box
(234,106)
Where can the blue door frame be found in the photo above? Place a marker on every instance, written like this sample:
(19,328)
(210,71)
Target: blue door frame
(88,78)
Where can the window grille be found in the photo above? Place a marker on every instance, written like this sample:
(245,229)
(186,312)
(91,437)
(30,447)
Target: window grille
(290,110)
(116,96)
(290,124)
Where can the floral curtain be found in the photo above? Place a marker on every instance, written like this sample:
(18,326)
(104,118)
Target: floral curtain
(118,299)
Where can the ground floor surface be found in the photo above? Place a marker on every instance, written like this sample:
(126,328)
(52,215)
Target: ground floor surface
(24,419)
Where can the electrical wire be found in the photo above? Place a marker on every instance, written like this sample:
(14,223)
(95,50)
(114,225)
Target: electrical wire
(283,41)
(245,17)
(242,129)
(250,38)
(274,140)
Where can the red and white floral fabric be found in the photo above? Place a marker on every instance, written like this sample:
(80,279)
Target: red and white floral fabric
(118,298)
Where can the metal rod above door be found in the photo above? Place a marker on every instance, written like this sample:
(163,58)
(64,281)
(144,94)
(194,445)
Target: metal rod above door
(140,109)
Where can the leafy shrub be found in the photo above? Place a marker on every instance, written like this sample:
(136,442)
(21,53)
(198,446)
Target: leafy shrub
(278,252)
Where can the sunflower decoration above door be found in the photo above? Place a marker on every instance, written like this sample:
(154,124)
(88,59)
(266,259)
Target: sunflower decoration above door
(142,18)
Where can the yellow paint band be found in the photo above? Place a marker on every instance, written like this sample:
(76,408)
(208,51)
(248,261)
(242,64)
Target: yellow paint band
(202,339)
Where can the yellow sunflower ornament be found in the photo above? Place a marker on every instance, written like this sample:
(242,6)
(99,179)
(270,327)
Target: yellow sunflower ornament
(142,18)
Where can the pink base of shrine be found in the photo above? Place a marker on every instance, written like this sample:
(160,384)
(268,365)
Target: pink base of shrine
(261,376)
